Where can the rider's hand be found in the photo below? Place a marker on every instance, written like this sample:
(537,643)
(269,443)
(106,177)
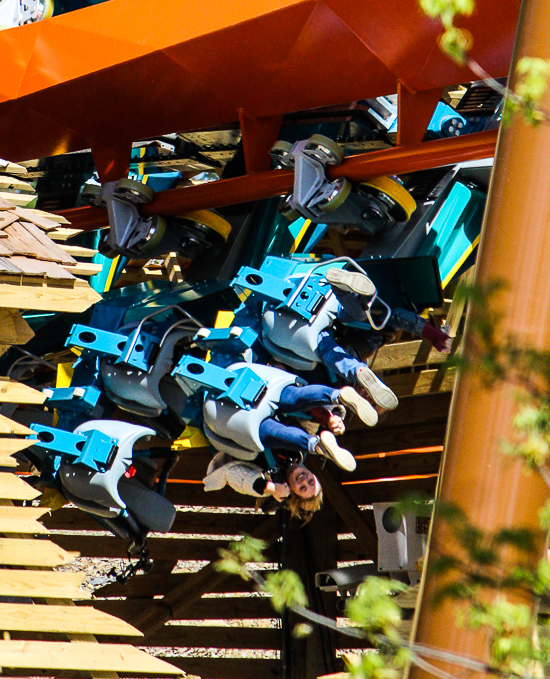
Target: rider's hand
(278,490)
(336,424)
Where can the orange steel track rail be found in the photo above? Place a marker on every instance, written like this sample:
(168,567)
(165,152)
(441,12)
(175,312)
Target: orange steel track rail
(125,70)
(399,160)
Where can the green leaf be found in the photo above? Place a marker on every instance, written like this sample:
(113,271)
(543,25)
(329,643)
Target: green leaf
(302,629)
(287,589)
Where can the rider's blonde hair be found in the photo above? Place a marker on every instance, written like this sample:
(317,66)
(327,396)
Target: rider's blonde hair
(302,508)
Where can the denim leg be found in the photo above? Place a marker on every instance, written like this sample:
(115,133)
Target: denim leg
(273,434)
(401,319)
(294,398)
(337,359)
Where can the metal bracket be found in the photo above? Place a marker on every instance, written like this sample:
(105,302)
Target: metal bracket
(90,448)
(243,388)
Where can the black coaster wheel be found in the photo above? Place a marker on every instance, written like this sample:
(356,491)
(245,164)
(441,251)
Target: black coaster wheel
(91,195)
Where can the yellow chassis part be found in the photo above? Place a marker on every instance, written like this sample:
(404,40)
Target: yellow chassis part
(211,220)
(395,191)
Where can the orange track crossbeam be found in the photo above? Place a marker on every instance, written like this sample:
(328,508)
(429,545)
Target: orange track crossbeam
(124,70)
(261,185)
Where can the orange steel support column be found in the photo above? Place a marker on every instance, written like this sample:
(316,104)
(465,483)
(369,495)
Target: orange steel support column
(515,246)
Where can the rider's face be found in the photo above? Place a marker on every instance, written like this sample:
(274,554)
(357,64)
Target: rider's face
(302,482)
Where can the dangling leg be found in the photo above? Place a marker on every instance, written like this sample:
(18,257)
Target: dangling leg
(273,434)
(353,371)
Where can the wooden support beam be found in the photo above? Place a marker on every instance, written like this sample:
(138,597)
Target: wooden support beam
(62,620)
(33,553)
(423,382)
(38,584)
(161,549)
(185,522)
(16,392)
(8,426)
(47,297)
(217,637)
(9,447)
(14,329)
(180,598)
(347,509)
(14,488)
(229,668)
(406,355)
(80,656)
(22,519)
(224,608)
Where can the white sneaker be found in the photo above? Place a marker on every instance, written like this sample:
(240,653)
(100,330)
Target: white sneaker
(329,448)
(359,405)
(378,391)
(351,281)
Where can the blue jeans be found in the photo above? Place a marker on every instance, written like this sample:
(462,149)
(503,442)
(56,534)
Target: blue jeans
(337,359)
(274,434)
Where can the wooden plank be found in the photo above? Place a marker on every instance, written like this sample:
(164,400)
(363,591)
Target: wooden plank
(8,426)
(174,604)
(216,637)
(7,182)
(423,382)
(22,519)
(395,466)
(387,439)
(152,584)
(406,355)
(186,522)
(34,553)
(53,251)
(16,392)
(162,549)
(47,296)
(42,584)
(14,329)
(84,268)
(80,656)
(222,608)
(409,598)
(63,233)
(62,620)
(78,250)
(12,168)
(58,219)
(36,217)
(14,488)
(391,491)
(17,199)
(8,447)
(230,668)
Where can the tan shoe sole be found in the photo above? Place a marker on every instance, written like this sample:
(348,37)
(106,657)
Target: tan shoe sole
(351,281)
(378,391)
(329,448)
(360,406)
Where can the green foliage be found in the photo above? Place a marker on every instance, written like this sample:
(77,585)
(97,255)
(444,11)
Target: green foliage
(287,589)
(374,609)
(240,553)
(378,665)
(544,516)
(302,629)
(446,10)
